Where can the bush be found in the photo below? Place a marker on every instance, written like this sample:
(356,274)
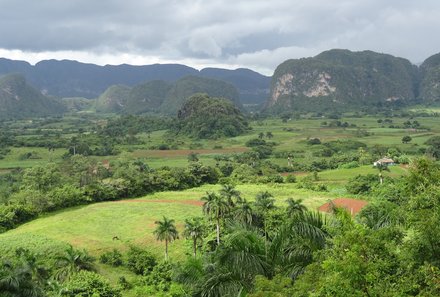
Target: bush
(113,258)
(163,147)
(86,283)
(255,142)
(140,261)
(352,164)
(361,184)
(313,141)
(291,178)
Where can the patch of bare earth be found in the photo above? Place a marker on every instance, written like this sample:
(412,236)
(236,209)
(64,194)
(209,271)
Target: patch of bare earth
(353,206)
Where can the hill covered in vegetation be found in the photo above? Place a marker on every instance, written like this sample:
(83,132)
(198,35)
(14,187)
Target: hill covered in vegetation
(19,100)
(341,80)
(430,85)
(202,116)
(161,96)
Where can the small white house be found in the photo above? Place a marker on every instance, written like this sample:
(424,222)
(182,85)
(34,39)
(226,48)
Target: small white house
(384,161)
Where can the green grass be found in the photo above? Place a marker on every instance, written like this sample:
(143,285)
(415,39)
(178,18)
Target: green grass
(93,226)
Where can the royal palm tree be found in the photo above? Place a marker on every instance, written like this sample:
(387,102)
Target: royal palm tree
(229,192)
(194,230)
(216,207)
(243,212)
(236,263)
(264,202)
(292,248)
(166,231)
(295,206)
(381,167)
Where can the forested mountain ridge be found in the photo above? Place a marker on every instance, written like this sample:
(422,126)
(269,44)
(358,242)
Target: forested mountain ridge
(74,79)
(18,99)
(430,83)
(341,79)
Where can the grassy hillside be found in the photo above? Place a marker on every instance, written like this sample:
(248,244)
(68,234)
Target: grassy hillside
(93,226)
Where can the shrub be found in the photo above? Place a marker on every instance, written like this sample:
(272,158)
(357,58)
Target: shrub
(113,258)
(314,141)
(361,184)
(291,178)
(86,283)
(140,261)
(255,142)
(352,164)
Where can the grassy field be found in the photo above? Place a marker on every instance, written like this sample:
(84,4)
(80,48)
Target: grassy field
(93,226)
(289,135)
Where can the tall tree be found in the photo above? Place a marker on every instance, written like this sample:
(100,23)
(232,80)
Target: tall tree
(243,212)
(216,207)
(230,193)
(381,167)
(194,230)
(166,231)
(295,206)
(264,202)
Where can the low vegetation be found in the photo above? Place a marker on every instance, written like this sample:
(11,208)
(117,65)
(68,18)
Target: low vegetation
(148,206)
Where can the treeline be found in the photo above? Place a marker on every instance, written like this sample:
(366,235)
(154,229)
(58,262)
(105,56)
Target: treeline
(80,180)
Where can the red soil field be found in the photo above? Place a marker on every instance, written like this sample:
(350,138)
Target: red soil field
(353,206)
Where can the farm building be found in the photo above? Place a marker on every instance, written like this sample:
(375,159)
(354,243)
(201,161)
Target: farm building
(384,161)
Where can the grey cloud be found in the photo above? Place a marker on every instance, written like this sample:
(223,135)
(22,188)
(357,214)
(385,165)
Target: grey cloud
(257,34)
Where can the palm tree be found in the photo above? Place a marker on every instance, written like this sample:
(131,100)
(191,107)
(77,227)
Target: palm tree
(17,280)
(381,167)
(229,192)
(166,231)
(295,206)
(236,263)
(243,212)
(269,135)
(194,229)
(264,202)
(216,207)
(72,261)
(292,248)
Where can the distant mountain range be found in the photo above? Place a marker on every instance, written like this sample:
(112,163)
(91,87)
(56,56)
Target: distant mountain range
(335,80)
(74,79)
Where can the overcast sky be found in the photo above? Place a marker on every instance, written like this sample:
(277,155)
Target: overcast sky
(224,33)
